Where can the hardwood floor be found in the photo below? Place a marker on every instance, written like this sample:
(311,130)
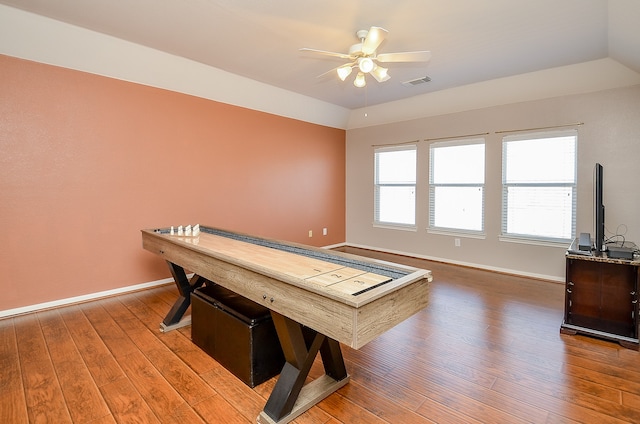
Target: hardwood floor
(486,350)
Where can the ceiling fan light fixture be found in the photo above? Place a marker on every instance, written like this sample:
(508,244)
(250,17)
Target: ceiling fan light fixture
(380,74)
(364,55)
(344,71)
(360,81)
(365,64)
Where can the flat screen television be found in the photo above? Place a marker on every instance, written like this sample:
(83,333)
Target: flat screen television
(599,240)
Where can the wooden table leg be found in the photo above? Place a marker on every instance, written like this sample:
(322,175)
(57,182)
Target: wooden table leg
(290,397)
(174,318)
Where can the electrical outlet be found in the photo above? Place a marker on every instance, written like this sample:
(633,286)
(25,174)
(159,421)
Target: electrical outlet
(310,233)
(456,242)
(324,231)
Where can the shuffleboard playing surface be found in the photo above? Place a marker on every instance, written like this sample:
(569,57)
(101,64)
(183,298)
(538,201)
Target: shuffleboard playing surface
(342,279)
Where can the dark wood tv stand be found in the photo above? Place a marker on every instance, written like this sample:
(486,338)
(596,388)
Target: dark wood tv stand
(601,298)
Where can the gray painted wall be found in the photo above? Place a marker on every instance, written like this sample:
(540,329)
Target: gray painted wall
(610,134)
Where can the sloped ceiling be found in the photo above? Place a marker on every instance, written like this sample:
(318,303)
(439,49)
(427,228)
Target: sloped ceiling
(471,41)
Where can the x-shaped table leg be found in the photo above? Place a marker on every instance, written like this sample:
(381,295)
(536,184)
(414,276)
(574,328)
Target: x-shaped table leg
(290,397)
(185,288)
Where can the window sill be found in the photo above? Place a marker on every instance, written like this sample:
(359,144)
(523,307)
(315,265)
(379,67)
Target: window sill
(400,227)
(457,233)
(536,242)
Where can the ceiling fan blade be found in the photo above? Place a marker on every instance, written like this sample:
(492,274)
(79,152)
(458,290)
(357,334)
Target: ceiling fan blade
(374,38)
(419,56)
(326,53)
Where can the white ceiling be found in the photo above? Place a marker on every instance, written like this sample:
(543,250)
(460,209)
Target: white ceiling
(471,40)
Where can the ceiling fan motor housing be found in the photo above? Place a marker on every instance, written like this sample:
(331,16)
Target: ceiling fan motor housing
(362,34)
(355,50)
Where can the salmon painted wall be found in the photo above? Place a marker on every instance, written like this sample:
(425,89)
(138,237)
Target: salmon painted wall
(87,161)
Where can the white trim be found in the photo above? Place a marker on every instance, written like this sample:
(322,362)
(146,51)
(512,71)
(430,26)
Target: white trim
(107,293)
(41,39)
(401,227)
(84,298)
(411,145)
(334,246)
(542,134)
(551,278)
(457,141)
(534,242)
(579,78)
(457,233)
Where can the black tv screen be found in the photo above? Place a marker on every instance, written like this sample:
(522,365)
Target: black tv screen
(598,242)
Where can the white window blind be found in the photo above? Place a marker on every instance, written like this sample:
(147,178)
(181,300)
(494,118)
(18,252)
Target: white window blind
(456,186)
(539,186)
(395,185)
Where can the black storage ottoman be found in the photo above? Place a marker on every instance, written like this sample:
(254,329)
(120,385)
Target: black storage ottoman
(236,332)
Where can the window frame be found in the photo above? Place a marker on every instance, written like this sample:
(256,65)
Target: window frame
(573,186)
(432,189)
(377,185)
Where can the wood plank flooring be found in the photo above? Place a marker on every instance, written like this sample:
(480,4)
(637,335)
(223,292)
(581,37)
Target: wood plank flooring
(486,350)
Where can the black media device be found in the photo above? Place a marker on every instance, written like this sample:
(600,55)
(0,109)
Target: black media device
(620,252)
(599,210)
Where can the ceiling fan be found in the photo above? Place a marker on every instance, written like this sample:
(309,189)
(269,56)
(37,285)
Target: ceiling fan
(365,58)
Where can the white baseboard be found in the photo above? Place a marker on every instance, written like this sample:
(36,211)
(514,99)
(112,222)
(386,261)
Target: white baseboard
(79,299)
(552,278)
(107,293)
(335,246)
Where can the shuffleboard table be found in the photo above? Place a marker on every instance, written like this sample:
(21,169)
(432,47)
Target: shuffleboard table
(340,298)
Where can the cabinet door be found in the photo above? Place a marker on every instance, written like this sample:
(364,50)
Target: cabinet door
(618,290)
(584,292)
(601,296)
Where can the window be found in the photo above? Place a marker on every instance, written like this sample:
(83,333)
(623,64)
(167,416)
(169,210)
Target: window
(395,185)
(539,186)
(456,186)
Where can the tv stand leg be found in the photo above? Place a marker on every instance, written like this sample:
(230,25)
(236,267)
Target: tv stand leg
(629,345)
